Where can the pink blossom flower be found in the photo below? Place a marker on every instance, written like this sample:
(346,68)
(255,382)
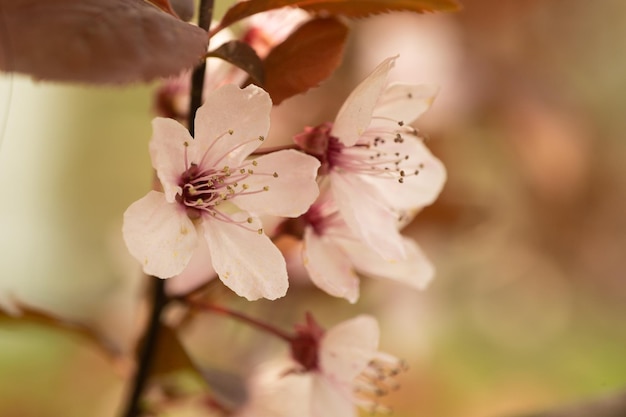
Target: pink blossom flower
(342,367)
(268,29)
(332,254)
(213,192)
(377,165)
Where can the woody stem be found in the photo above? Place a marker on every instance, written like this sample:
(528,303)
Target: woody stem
(146,354)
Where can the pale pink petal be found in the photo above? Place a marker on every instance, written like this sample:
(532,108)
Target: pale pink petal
(198,272)
(329,400)
(247,262)
(415,191)
(230,125)
(416,270)
(328,266)
(160,235)
(405,102)
(274,391)
(290,193)
(167,151)
(360,206)
(347,348)
(356,113)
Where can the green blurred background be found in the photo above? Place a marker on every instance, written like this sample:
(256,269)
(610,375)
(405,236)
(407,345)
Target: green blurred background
(529,236)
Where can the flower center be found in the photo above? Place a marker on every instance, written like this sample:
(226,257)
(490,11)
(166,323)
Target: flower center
(306,344)
(374,155)
(381,151)
(203,189)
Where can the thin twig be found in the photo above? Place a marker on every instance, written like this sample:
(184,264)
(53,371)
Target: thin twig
(197,77)
(159,298)
(148,348)
(243,318)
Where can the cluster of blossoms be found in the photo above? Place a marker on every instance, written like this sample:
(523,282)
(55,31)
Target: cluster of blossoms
(345,188)
(372,168)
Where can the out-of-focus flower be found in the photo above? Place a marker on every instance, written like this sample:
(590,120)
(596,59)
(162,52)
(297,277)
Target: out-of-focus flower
(377,164)
(265,30)
(334,371)
(212,191)
(332,253)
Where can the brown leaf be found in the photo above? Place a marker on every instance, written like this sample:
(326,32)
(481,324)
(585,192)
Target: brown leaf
(22,313)
(307,57)
(170,355)
(184,8)
(350,8)
(95,41)
(242,56)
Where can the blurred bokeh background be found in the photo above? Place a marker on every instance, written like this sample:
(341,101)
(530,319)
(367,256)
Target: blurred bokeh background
(528,308)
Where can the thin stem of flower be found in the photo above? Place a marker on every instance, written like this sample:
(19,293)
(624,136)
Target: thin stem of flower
(148,348)
(242,318)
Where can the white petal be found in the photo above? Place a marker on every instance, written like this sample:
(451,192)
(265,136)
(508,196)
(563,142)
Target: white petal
(229,125)
(329,267)
(167,150)
(291,193)
(330,400)
(415,191)
(274,391)
(347,348)
(247,262)
(405,102)
(356,113)
(416,270)
(198,272)
(160,235)
(361,207)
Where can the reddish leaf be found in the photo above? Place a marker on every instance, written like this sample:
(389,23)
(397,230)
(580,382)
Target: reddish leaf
(164,5)
(307,57)
(95,41)
(25,314)
(242,56)
(350,8)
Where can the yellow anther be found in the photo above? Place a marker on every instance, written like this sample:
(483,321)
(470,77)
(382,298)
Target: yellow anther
(231,131)
(261,138)
(260,231)
(250,172)
(266,188)
(249,219)
(242,171)
(185,143)
(255,163)
(244,186)
(275,175)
